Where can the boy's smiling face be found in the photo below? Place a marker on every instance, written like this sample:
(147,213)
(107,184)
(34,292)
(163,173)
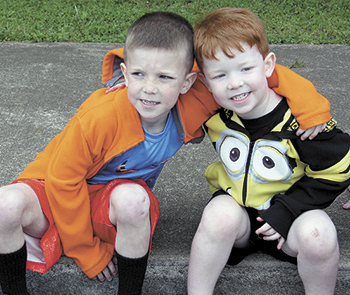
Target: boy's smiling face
(155,78)
(239,83)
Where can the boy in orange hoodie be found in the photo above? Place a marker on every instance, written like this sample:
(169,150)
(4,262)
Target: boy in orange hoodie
(89,193)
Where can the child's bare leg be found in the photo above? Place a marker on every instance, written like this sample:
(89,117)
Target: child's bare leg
(20,212)
(224,223)
(313,239)
(129,211)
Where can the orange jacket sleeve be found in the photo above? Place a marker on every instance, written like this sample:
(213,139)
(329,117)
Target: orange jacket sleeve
(308,106)
(69,201)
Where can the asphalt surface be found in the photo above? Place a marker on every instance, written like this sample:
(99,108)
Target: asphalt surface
(41,87)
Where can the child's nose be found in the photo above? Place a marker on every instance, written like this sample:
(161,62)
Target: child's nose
(235,82)
(150,88)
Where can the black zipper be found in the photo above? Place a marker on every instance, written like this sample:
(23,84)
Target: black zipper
(245,185)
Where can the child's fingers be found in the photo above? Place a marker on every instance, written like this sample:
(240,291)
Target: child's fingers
(347,205)
(107,273)
(260,219)
(310,133)
(115,87)
(317,129)
(271,236)
(300,131)
(264,229)
(305,133)
(280,243)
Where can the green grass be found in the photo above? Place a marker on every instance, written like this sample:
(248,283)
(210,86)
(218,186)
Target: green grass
(287,21)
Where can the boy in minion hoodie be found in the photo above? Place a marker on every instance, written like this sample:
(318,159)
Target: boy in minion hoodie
(270,187)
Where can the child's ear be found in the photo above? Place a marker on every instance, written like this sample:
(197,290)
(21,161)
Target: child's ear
(270,62)
(189,80)
(124,71)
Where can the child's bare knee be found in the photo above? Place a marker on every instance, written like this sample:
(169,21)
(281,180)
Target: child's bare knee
(220,221)
(11,205)
(130,203)
(318,238)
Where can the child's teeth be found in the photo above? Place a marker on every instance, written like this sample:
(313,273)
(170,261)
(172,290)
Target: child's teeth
(148,102)
(240,97)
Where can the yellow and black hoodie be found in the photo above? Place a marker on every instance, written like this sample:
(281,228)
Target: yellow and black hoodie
(264,165)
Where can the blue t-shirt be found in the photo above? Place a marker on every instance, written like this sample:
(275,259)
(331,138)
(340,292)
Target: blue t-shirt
(144,161)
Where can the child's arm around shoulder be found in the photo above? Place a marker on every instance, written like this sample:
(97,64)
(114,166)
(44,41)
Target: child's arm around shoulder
(302,97)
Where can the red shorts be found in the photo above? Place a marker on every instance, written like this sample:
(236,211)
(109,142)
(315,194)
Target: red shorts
(44,253)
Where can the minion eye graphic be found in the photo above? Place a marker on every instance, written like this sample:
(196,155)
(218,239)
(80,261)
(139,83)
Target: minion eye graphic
(233,153)
(268,162)
(270,165)
(268,159)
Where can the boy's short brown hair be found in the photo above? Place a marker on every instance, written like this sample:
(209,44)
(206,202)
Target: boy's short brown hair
(228,28)
(162,30)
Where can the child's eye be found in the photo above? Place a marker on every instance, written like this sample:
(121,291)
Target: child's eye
(137,74)
(247,69)
(165,77)
(219,76)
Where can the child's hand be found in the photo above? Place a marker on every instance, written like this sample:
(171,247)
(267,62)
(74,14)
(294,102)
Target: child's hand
(311,132)
(270,234)
(347,205)
(107,273)
(115,87)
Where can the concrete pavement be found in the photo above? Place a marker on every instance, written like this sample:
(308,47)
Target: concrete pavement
(41,87)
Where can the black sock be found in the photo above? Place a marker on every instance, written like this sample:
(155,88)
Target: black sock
(131,273)
(13,272)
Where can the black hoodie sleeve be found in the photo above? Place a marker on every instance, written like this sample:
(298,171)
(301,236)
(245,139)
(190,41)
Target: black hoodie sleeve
(326,176)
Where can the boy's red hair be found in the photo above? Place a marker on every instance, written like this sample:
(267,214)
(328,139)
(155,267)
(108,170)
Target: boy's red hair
(228,28)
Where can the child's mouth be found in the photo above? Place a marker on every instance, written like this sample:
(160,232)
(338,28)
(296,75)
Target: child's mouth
(149,102)
(240,97)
